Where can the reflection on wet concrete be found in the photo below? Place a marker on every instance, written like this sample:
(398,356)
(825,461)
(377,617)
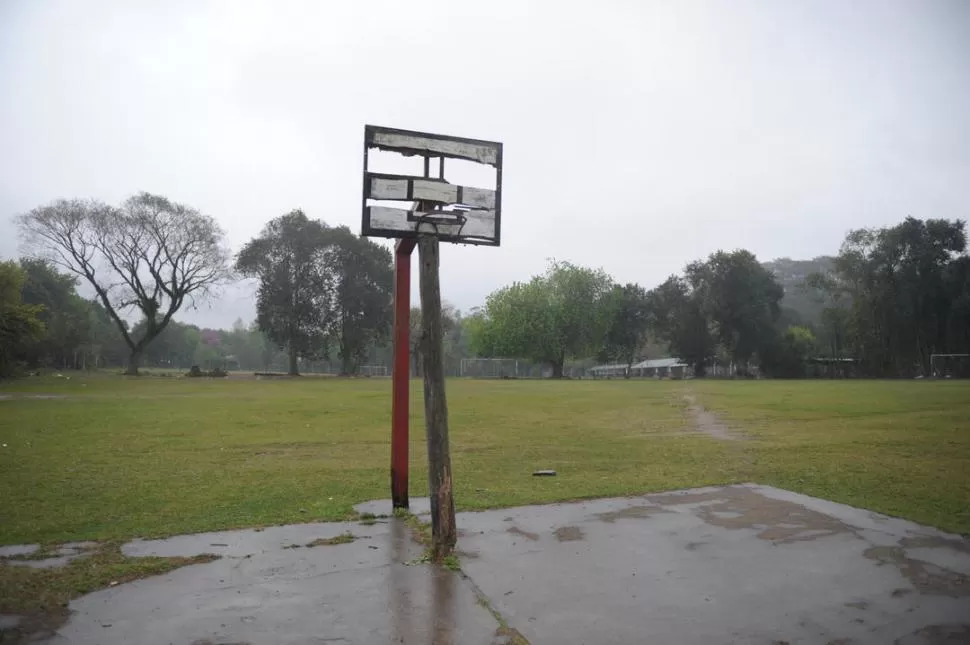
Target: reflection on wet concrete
(442,613)
(399,602)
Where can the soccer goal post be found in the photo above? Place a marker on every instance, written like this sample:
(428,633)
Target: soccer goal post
(490,367)
(950,365)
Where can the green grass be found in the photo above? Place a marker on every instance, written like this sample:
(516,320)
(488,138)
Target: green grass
(117,458)
(897,447)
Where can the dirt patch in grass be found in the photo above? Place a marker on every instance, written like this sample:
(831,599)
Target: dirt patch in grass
(706,422)
(41,596)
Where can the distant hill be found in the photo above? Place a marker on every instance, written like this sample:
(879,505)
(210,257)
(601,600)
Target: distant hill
(791,274)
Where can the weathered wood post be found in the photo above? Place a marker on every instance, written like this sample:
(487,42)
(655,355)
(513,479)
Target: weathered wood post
(443,531)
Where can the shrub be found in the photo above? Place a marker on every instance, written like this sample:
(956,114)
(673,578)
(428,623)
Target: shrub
(197,372)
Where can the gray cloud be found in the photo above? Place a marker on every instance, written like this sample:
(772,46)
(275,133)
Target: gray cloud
(638,135)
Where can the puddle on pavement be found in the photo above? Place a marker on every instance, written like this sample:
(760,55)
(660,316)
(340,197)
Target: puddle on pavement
(569,533)
(927,578)
(529,535)
(631,512)
(958,634)
(775,520)
(50,557)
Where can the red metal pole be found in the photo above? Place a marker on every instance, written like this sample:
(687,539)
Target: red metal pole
(401,373)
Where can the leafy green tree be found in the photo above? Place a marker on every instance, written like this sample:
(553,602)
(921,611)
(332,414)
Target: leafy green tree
(902,291)
(833,318)
(151,256)
(800,299)
(66,316)
(294,297)
(678,317)
(786,356)
(175,347)
(246,347)
(363,277)
(740,299)
(956,283)
(559,314)
(628,314)
(104,345)
(455,342)
(20,324)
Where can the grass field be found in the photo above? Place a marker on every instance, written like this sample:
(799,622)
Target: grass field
(113,458)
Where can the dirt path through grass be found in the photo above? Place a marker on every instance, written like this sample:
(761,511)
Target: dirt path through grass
(706,422)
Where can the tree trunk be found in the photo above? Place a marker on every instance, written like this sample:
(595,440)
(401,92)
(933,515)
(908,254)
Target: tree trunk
(699,369)
(557,368)
(294,368)
(133,360)
(416,359)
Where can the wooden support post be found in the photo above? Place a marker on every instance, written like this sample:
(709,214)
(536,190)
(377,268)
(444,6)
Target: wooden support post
(444,534)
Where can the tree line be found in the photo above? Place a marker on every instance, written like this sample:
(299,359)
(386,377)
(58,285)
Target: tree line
(895,296)
(726,306)
(889,300)
(321,291)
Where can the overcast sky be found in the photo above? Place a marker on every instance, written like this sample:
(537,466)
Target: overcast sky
(638,135)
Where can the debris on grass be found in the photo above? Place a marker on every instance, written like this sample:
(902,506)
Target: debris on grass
(544,473)
(424,559)
(343,538)
(421,530)
(451,563)
(510,636)
(368,519)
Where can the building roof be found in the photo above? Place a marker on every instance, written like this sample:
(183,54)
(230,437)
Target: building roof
(659,362)
(650,364)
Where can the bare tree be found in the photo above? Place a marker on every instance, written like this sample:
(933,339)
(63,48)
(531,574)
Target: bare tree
(151,255)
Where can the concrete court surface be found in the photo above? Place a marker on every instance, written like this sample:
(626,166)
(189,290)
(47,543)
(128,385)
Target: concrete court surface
(738,564)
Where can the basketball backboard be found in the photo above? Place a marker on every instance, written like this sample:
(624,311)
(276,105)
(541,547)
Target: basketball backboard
(406,205)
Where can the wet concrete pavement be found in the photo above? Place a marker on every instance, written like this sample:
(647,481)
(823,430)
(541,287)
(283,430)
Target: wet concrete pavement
(740,564)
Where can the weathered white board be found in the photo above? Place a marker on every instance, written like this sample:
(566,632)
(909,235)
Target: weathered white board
(415,188)
(435,191)
(478,223)
(480,152)
(477,197)
(382,188)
